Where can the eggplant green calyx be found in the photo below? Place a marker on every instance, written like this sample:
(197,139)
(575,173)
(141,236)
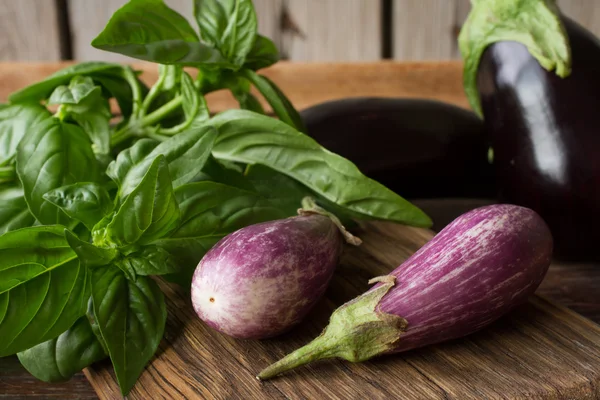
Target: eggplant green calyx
(533,23)
(356,332)
(309,206)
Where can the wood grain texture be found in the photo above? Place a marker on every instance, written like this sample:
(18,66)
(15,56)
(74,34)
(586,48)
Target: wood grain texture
(332,30)
(423,30)
(539,350)
(29,31)
(586,12)
(306,84)
(574,285)
(16,383)
(87,18)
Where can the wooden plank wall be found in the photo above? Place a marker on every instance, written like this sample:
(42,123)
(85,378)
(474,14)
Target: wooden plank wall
(304,30)
(29,30)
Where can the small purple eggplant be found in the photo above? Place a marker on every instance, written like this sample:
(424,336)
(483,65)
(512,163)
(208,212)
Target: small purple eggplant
(261,280)
(475,270)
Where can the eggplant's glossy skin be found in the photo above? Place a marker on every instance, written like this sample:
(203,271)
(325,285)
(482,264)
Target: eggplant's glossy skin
(545,132)
(262,280)
(418,148)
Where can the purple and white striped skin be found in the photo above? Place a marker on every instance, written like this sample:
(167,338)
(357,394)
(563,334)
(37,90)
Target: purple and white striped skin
(475,270)
(479,267)
(261,280)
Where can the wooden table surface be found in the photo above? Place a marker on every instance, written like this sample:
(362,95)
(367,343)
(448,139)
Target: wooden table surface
(576,286)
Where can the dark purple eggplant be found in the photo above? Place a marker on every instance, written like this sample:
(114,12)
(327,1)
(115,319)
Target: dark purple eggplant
(420,148)
(545,134)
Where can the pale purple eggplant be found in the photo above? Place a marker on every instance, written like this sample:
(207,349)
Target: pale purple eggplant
(261,280)
(479,267)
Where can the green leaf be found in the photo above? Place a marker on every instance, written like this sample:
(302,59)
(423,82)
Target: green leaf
(249,102)
(216,209)
(240,88)
(194,105)
(281,105)
(226,172)
(131,316)
(93,115)
(286,193)
(164,90)
(53,154)
(79,88)
(15,122)
(171,75)
(14,213)
(282,191)
(90,255)
(116,86)
(149,212)
(150,30)
(58,359)
(43,287)
(42,90)
(151,260)
(229,25)
(264,53)
(256,139)
(87,202)
(186,153)
(209,211)
(534,23)
(91,317)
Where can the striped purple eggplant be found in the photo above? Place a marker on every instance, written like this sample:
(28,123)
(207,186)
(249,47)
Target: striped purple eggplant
(261,280)
(475,270)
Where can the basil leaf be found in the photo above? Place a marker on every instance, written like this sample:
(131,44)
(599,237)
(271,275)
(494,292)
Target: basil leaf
(79,88)
(131,317)
(91,317)
(226,172)
(15,122)
(215,209)
(209,211)
(53,154)
(240,88)
(149,212)
(14,213)
(249,102)
(171,76)
(256,139)
(264,53)
(127,159)
(282,191)
(194,105)
(87,202)
(43,287)
(58,359)
(115,85)
(281,105)
(150,30)
(229,25)
(286,193)
(42,90)
(186,153)
(90,255)
(151,260)
(93,114)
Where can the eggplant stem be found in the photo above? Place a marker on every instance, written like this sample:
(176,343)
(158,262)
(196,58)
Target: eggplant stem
(309,207)
(356,332)
(315,350)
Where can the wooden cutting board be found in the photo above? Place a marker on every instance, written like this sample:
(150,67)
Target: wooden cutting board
(539,350)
